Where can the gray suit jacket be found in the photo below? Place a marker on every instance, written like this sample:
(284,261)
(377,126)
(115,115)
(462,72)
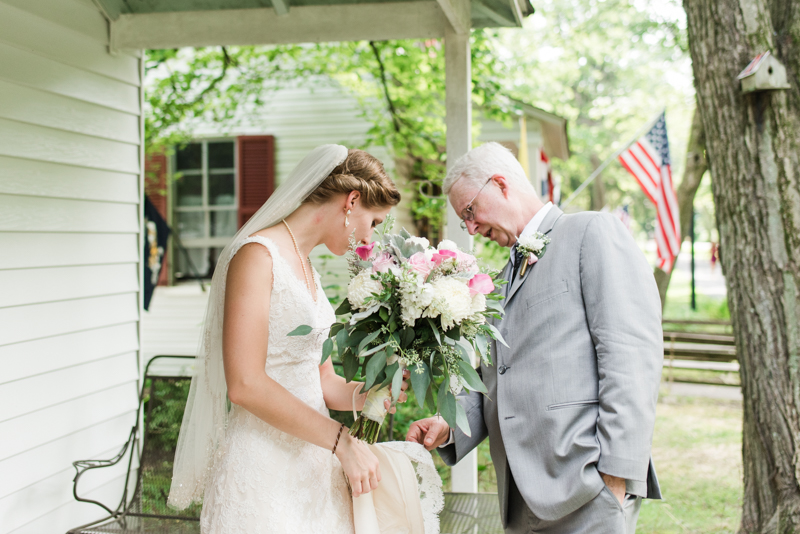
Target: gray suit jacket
(576,391)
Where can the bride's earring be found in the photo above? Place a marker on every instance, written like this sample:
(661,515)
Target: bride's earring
(346,222)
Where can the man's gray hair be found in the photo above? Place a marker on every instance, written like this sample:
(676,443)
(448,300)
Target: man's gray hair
(481,163)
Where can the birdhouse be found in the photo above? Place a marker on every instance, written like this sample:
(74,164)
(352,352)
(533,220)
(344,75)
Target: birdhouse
(764,73)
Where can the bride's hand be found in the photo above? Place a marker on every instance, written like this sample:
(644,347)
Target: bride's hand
(360,465)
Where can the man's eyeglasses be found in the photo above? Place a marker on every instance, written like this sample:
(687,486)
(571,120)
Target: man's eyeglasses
(467,215)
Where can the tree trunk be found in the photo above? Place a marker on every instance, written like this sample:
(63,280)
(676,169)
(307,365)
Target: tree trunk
(753,144)
(694,169)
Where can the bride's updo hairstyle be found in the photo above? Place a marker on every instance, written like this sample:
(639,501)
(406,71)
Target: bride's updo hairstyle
(360,172)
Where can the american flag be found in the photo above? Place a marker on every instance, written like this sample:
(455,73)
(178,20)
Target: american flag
(624,215)
(648,161)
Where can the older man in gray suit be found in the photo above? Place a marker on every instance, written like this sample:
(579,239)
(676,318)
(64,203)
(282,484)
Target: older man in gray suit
(571,402)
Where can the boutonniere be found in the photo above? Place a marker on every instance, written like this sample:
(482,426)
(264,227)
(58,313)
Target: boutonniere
(532,248)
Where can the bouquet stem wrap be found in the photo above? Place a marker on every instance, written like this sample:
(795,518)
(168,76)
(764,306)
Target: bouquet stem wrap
(367,426)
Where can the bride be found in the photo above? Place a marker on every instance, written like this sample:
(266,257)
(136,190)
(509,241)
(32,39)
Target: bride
(275,462)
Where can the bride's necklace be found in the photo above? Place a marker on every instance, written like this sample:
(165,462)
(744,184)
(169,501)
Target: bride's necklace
(302,261)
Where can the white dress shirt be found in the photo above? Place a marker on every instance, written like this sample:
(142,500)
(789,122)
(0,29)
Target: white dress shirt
(533,226)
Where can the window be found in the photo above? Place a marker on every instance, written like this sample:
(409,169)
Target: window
(204,204)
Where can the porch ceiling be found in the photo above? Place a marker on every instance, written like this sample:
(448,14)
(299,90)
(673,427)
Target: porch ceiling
(176,23)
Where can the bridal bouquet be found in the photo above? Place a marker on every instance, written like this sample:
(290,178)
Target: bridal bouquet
(413,307)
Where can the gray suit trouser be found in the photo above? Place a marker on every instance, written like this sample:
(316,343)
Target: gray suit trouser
(602,515)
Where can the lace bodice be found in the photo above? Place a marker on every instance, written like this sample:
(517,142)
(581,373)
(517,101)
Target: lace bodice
(293,361)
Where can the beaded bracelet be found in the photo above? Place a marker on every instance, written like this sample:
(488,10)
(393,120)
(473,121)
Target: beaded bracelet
(337,439)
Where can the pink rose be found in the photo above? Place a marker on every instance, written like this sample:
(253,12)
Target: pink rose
(365,251)
(383,263)
(481,283)
(421,264)
(467,262)
(442,255)
(532,259)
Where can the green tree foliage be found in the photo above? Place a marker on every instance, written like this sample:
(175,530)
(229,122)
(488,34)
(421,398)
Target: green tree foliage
(607,66)
(187,87)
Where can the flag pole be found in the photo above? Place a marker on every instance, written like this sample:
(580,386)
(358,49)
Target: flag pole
(640,132)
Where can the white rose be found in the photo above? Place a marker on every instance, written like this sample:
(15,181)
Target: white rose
(361,288)
(448,245)
(452,301)
(531,242)
(419,241)
(478,302)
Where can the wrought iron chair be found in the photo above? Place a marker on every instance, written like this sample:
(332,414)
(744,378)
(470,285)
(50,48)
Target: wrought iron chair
(162,401)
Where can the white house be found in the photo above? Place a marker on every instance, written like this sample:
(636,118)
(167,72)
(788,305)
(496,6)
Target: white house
(71,193)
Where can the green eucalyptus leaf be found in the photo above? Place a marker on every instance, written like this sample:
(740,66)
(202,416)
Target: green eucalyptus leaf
(454,333)
(397,383)
(407,336)
(462,352)
(420,381)
(447,405)
(355,338)
(373,350)
(390,371)
(462,421)
(384,313)
(302,330)
(435,331)
(374,366)
(430,401)
(341,340)
(327,348)
(366,340)
(481,345)
(471,377)
(344,308)
(335,328)
(350,364)
(495,333)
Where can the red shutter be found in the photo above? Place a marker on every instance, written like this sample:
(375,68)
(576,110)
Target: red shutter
(155,187)
(256,173)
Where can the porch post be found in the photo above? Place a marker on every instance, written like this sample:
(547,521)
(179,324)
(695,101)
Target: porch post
(458,88)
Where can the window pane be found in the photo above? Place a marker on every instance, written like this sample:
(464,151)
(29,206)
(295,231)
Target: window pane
(223,223)
(220,155)
(189,190)
(220,190)
(190,157)
(190,224)
(199,261)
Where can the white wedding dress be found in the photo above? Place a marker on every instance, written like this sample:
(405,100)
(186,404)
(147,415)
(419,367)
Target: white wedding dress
(266,481)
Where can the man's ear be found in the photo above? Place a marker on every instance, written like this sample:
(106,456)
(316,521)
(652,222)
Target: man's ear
(502,182)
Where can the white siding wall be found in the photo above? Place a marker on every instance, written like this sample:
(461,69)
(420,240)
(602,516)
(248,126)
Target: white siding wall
(70,190)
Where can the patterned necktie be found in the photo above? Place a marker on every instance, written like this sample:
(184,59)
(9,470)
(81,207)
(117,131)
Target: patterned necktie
(517,263)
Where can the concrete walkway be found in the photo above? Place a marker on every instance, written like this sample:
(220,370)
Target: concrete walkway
(701,390)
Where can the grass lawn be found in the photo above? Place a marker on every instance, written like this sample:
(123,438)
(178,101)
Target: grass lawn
(697,452)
